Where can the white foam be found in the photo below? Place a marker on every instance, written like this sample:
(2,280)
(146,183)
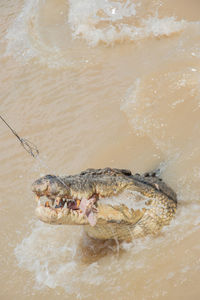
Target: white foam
(19,39)
(98,21)
(24,40)
(95,22)
(157,27)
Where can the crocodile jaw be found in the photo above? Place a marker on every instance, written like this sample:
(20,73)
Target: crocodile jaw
(105,214)
(60,216)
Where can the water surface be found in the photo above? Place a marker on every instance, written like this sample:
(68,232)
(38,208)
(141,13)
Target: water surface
(96,84)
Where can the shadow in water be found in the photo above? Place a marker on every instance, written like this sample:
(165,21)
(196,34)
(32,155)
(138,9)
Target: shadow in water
(91,250)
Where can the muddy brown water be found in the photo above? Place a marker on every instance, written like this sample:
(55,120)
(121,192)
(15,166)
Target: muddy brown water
(96,84)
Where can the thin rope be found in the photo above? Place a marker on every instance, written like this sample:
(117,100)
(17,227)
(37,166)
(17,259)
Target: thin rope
(26,144)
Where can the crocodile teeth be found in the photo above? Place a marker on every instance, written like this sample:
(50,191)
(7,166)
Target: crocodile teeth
(47,204)
(37,198)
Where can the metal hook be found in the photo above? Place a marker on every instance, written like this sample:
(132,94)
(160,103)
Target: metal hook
(26,144)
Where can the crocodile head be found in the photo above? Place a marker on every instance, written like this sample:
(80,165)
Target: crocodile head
(51,186)
(77,199)
(66,205)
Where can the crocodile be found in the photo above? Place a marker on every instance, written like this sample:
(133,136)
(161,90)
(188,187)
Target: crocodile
(110,203)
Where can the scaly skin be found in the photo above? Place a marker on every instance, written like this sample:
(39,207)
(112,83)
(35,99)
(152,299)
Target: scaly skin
(111,220)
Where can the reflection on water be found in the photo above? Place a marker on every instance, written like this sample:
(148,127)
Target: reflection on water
(95,84)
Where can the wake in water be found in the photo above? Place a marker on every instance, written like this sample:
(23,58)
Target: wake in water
(154,112)
(52,38)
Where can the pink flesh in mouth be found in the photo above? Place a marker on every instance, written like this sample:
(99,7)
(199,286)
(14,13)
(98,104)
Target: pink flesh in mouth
(88,209)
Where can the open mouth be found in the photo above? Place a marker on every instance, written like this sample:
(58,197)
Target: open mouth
(87,207)
(59,203)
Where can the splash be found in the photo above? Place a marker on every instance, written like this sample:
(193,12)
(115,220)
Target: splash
(26,41)
(54,255)
(18,35)
(111,22)
(54,262)
(55,42)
